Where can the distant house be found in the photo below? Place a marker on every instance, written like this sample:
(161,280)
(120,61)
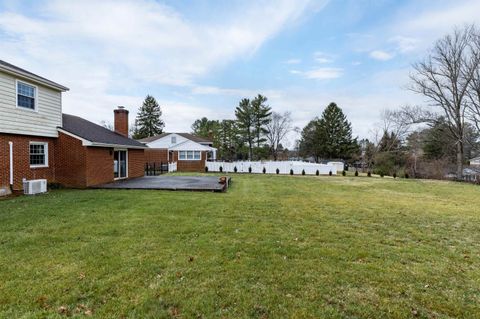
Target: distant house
(37,141)
(188,150)
(475,161)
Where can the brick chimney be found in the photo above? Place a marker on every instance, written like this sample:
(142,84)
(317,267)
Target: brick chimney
(121,121)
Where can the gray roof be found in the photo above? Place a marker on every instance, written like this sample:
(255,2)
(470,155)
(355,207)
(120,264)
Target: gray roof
(188,136)
(95,133)
(22,72)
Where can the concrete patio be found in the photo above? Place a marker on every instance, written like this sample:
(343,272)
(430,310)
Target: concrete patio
(168,182)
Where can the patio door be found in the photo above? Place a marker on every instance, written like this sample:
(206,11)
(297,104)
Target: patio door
(119,164)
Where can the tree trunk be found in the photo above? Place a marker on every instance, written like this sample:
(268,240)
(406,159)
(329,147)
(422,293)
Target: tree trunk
(459,159)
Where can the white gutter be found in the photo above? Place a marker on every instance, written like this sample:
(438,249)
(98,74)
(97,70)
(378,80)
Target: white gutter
(10,144)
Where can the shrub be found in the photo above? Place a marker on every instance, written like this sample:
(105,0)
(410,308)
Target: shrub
(303,172)
(330,173)
(344,173)
(369,174)
(249,169)
(356,173)
(221,169)
(317,172)
(381,174)
(278,171)
(235,169)
(264,170)
(291,171)
(206,169)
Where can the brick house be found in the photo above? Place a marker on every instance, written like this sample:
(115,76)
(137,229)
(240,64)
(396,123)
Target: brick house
(37,141)
(189,151)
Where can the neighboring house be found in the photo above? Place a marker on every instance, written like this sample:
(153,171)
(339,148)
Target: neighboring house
(37,141)
(475,161)
(188,150)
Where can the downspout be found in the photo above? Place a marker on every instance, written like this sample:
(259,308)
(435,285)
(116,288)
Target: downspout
(10,144)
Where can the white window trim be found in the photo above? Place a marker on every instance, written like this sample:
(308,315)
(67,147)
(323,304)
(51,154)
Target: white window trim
(45,144)
(192,159)
(16,96)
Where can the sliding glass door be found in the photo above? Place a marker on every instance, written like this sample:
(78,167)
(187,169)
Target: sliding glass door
(120,164)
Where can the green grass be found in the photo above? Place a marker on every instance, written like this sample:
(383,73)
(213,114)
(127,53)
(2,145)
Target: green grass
(271,247)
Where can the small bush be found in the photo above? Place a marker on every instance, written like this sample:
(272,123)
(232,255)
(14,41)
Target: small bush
(235,169)
(250,169)
(291,171)
(206,169)
(278,171)
(406,175)
(221,169)
(264,170)
(381,174)
(344,173)
(356,173)
(303,172)
(369,174)
(317,172)
(330,173)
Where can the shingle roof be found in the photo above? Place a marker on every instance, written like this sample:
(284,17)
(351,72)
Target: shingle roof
(16,69)
(189,136)
(95,133)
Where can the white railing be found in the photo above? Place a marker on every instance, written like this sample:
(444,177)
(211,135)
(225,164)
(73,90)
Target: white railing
(172,167)
(271,167)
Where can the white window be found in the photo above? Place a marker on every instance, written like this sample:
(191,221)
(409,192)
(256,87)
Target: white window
(26,96)
(38,154)
(189,155)
(173,140)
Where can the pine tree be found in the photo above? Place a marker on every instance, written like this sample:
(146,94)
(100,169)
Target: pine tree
(329,137)
(246,123)
(335,134)
(148,122)
(261,117)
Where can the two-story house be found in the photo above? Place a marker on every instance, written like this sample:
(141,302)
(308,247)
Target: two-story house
(38,141)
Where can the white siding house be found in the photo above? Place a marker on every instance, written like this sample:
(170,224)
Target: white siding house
(44,113)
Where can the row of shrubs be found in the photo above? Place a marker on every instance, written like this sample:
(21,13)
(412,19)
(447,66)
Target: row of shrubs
(344,173)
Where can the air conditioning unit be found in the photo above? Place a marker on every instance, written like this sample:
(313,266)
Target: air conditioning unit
(35,186)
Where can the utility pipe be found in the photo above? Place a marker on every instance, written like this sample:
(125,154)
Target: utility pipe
(10,144)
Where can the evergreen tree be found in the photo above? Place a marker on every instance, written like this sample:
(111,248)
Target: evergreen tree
(329,137)
(148,122)
(261,115)
(335,134)
(246,123)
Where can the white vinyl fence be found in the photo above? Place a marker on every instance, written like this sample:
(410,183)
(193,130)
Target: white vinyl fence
(172,167)
(271,167)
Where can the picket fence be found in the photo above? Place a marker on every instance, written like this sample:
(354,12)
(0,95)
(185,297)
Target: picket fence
(271,167)
(172,167)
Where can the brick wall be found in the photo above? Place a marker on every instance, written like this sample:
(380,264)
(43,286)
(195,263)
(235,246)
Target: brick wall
(156,155)
(190,166)
(99,169)
(21,160)
(71,162)
(136,163)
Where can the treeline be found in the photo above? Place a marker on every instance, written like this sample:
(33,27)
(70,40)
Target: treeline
(438,139)
(256,132)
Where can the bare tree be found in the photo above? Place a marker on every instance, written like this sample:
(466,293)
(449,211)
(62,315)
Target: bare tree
(278,128)
(474,89)
(445,77)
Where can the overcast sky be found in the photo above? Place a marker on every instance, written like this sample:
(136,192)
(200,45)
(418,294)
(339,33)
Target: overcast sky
(199,58)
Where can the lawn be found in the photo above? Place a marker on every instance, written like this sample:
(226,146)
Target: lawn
(271,247)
